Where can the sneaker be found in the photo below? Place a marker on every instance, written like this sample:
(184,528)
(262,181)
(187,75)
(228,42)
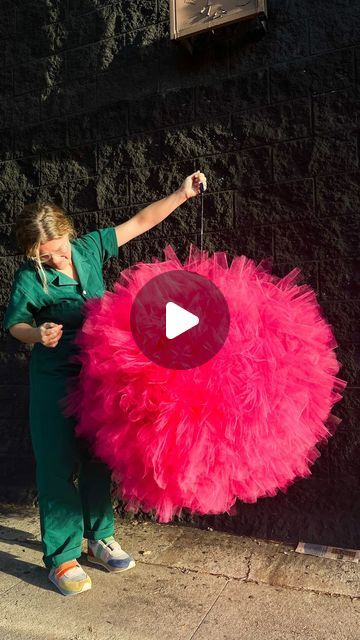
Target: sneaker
(109,554)
(70,578)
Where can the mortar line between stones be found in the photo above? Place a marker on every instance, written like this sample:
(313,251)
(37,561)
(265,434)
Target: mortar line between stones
(209,610)
(105,40)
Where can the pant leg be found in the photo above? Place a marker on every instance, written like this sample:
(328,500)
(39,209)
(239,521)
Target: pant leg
(94,487)
(56,454)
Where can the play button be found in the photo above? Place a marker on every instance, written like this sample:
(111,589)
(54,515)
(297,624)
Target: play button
(179,319)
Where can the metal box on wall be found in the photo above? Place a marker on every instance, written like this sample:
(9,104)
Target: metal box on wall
(191,17)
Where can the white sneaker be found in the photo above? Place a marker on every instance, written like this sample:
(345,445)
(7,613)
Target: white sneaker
(109,554)
(70,578)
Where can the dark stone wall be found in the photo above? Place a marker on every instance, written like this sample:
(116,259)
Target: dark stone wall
(102,113)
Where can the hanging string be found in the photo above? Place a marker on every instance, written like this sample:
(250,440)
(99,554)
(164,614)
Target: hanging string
(202,217)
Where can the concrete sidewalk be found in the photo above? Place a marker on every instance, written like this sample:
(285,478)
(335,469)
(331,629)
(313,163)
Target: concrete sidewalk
(187,584)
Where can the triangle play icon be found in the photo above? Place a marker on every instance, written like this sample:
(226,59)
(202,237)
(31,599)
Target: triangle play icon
(178,320)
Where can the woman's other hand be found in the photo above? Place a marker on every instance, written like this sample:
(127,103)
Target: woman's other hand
(191,184)
(49,334)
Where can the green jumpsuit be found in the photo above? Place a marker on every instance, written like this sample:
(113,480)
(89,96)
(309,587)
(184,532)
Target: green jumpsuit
(67,512)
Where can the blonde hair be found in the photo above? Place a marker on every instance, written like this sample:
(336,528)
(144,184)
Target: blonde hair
(38,223)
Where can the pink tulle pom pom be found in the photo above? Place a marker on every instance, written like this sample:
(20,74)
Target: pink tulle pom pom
(243,425)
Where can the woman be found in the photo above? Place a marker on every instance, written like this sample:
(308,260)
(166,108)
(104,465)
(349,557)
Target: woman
(45,310)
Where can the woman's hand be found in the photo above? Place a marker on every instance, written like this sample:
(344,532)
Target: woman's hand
(191,185)
(49,334)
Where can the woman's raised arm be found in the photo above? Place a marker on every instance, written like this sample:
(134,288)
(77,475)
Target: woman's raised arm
(156,212)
